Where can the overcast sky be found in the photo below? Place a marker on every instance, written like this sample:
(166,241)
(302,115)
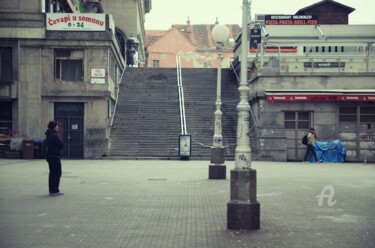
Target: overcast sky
(164,13)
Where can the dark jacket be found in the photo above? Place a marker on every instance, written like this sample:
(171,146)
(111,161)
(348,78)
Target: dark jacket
(54,144)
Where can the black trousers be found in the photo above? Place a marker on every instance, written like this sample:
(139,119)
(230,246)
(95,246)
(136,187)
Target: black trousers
(310,151)
(54,174)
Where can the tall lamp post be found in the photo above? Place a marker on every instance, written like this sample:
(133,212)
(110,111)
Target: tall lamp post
(243,209)
(217,168)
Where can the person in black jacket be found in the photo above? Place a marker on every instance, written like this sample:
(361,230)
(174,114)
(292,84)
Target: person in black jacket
(53,155)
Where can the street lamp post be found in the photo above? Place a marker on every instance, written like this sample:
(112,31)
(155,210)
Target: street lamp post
(217,168)
(243,209)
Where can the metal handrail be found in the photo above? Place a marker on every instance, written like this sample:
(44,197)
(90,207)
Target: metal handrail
(117,95)
(181,95)
(234,70)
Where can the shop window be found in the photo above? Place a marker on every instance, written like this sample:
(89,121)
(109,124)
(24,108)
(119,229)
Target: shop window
(6,64)
(69,65)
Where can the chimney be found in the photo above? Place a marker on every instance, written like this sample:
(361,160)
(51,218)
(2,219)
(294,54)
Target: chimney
(217,21)
(188,26)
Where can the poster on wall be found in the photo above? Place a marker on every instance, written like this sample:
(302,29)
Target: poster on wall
(255,38)
(75,22)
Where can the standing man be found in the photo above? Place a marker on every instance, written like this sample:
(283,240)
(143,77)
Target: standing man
(53,155)
(311,137)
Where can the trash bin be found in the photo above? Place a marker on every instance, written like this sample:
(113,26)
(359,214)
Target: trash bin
(38,148)
(28,149)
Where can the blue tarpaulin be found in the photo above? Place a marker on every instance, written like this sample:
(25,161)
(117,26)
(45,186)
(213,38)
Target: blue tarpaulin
(329,151)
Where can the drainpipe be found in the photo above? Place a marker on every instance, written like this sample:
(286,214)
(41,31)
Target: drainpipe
(369,52)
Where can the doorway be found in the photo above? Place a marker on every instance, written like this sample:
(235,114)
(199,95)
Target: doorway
(6,119)
(70,117)
(296,125)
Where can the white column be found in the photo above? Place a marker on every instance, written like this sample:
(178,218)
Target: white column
(243,150)
(218,137)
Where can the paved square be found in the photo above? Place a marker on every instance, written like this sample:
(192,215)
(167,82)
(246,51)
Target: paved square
(151,203)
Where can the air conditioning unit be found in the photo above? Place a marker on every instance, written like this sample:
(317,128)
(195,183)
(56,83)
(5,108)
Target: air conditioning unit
(259,18)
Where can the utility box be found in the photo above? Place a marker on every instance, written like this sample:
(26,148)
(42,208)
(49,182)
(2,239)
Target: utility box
(28,149)
(184,146)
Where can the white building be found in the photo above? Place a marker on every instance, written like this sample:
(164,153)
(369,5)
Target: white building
(305,74)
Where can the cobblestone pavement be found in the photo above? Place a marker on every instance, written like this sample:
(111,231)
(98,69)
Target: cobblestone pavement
(173,204)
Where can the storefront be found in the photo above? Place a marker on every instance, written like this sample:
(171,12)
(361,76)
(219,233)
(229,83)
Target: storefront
(284,117)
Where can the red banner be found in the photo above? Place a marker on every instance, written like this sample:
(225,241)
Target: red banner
(324,98)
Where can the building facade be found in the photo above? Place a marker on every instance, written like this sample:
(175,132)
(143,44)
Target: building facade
(193,43)
(61,60)
(305,74)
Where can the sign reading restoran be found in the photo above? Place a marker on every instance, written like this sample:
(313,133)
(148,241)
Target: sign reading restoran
(75,22)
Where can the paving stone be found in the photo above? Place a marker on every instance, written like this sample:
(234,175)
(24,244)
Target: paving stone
(148,203)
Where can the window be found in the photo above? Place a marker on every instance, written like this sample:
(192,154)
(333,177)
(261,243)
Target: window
(156,63)
(367,114)
(303,120)
(207,64)
(348,114)
(299,120)
(69,65)
(6,64)
(290,120)
(351,116)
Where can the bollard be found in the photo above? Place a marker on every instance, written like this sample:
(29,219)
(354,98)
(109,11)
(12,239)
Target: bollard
(365,161)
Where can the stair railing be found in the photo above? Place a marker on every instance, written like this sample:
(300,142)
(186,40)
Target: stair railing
(181,95)
(117,86)
(234,70)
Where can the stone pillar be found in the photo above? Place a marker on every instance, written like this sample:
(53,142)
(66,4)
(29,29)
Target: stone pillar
(217,169)
(243,209)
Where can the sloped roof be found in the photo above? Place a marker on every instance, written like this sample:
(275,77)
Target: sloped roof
(349,9)
(154,35)
(200,35)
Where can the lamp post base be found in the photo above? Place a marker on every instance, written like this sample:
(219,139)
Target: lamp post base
(243,215)
(243,209)
(217,169)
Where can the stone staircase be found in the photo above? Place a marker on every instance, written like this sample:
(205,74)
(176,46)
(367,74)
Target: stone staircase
(200,97)
(147,122)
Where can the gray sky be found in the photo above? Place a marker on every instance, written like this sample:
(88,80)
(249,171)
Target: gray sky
(164,13)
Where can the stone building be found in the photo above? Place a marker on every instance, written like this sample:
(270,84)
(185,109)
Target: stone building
(306,74)
(63,60)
